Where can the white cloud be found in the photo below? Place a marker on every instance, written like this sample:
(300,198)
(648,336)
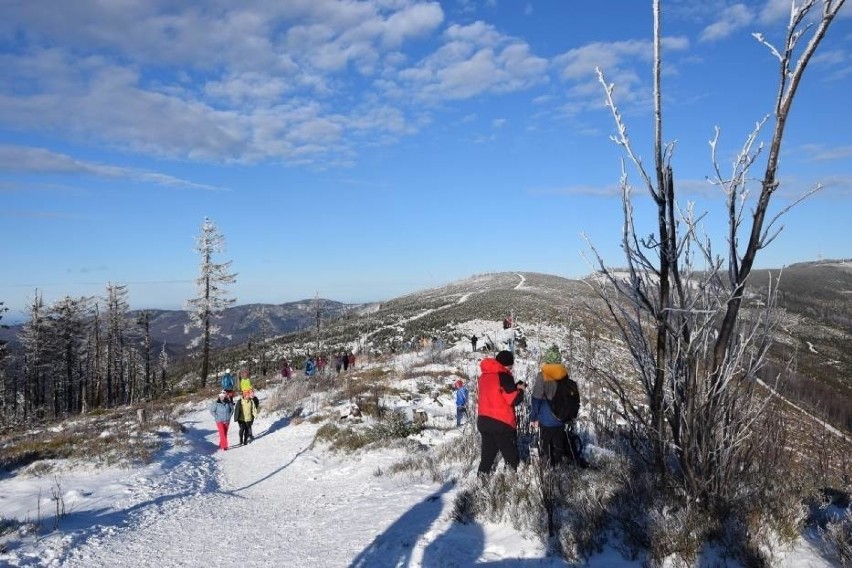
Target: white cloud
(617,60)
(196,82)
(731,19)
(774,11)
(42,161)
(474,60)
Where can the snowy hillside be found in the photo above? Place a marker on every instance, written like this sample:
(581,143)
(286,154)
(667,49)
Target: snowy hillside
(343,472)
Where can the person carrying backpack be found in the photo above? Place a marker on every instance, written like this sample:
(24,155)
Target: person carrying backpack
(555,404)
(228,384)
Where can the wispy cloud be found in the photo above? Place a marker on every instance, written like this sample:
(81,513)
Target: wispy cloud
(22,214)
(730,20)
(617,60)
(590,190)
(819,153)
(39,160)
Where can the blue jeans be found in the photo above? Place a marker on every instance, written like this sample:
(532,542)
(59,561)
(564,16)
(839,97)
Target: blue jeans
(460,411)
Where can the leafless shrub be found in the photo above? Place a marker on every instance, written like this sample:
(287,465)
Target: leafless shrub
(507,496)
(289,396)
(59,501)
(696,339)
(838,535)
(352,437)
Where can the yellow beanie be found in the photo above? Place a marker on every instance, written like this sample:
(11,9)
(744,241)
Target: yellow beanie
(553,371)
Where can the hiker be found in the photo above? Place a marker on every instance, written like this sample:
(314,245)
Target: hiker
(222,409)
(555,407)
(310,367)
(473,340)
(553,439)
(228,384)
(350,359)
(338,362)
(461,401)
(244,414)
(498,396)
(286,371)
(245,381)
(344,358)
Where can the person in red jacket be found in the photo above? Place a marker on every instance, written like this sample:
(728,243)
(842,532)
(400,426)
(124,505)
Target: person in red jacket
(498,396)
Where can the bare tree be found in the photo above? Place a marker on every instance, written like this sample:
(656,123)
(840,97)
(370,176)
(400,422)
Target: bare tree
(695,340)
(33,338)
(116,357)
(7,394)
(144,321)
(211,299)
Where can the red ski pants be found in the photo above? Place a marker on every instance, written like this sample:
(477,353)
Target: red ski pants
(223,435)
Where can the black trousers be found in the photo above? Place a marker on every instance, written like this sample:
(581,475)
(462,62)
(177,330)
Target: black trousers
(245,431)
(494,440)
(554,444)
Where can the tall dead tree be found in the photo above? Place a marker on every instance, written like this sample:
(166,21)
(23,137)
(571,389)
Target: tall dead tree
(695,341)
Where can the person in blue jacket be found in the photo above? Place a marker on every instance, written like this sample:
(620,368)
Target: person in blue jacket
(228,383)
(462,395)
(554,440)
(222,409)
(310,367)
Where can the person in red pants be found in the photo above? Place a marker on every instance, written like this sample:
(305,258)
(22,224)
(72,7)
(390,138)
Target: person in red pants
(222,410)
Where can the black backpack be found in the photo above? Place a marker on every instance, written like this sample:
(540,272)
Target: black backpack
(565,403)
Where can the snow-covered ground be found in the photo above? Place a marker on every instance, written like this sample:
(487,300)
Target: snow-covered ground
(284,500)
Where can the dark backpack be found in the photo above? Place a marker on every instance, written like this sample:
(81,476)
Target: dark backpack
(565,403)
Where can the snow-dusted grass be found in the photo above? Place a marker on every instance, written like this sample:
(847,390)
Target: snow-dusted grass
(387,491)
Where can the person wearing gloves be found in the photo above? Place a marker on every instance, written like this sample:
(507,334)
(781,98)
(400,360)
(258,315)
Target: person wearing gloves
(553,439)
(222,409)
(498,396)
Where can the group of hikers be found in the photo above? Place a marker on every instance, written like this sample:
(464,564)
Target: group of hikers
(555,403)
(316,365)
(243,411)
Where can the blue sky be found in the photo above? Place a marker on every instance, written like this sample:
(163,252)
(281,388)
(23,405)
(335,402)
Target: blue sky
(364,150)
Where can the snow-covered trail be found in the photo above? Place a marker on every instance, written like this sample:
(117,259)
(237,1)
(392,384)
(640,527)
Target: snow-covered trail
(280,501)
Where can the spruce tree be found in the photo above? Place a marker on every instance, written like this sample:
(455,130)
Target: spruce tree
(212,294)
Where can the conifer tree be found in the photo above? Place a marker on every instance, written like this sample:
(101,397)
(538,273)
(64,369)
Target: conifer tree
(212,294)
(116,330)
(68,338)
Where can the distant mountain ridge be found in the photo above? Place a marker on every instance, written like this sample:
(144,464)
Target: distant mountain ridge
(238,324)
